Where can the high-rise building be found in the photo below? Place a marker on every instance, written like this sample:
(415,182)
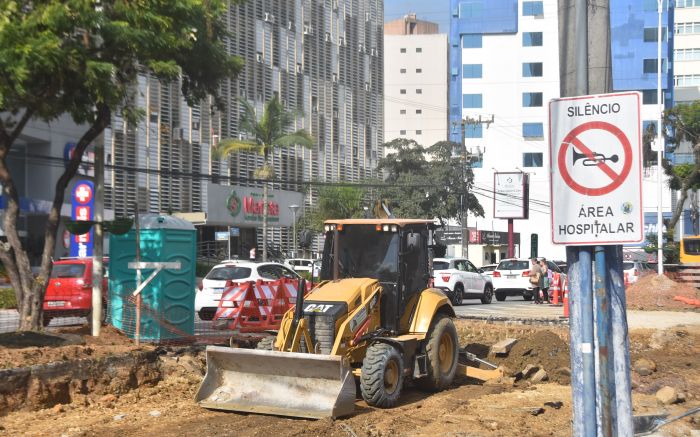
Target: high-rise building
(322,59)
(415,81)
(686,62)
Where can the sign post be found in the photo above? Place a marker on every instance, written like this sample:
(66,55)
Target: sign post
(596,192)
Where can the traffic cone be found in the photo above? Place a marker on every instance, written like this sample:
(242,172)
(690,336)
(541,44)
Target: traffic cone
(627,280)
(566,298)
(556,289)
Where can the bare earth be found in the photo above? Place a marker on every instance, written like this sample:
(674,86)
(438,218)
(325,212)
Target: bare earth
(467,408)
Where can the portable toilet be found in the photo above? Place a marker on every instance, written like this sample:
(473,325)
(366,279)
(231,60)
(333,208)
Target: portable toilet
(167,305)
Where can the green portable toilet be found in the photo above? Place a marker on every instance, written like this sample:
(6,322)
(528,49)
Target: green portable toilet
(167,308)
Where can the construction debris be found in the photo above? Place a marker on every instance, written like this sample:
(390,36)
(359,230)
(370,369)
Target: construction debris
(503,347)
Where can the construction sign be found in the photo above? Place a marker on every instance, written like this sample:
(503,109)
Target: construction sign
(596,169)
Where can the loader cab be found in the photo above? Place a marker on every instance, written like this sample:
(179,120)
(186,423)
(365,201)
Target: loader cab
(395,252)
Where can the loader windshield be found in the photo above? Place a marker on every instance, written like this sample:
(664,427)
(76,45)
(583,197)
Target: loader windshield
(363,252)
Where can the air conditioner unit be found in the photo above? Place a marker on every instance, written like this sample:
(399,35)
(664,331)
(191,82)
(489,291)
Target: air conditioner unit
(290,25)
(267,16)
(334,77)
(328,36)
(298,68)
(259,57)
(308,30)
(341,41)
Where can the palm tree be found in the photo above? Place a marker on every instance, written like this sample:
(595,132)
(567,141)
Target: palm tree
(268,133)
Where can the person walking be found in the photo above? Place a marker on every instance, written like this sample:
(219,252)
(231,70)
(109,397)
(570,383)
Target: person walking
(546,280)
(535,277)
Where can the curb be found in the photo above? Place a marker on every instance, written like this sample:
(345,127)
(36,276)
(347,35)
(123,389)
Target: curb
(547,321)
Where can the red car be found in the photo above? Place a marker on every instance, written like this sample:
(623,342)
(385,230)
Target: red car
(69,293)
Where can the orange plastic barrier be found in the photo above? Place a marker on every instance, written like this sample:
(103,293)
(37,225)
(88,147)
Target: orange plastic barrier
(555,289)
(566,298)
(687,300)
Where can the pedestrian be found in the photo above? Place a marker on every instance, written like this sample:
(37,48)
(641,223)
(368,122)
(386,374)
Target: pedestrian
(252,253)
(535,276)
(546,280)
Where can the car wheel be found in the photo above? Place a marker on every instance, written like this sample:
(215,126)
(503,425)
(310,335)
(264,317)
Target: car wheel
(458,295)
(500,296)
(206,315)
(527,297)
(488,294)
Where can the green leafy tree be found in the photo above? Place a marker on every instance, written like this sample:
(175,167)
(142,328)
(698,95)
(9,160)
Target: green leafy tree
(336,202)
(682,124)
(268,134)
(82,58)
(422,188)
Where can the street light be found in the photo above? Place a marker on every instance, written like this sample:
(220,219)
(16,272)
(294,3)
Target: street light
(294,208)
(659,152)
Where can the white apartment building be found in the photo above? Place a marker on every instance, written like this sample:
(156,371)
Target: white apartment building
(415,85)
(686,51)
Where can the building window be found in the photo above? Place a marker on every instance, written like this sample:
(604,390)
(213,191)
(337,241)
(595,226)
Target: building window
(403,71)
(471,101)
(687,80)
(419,91)
(532,39)
(533,9)
(471,41)
(533,131)
(532,69)
(686,54)
(471,71)
(471,10)
(474,131)
(651,34)
(532,160)
(403,50)
(419,132)
(419,50)
(403,112)
(531,100)
(651,65)
(402,132)
(649,97)
(419,111)
(403,91)
(419,70)
(687,3)
(687,28)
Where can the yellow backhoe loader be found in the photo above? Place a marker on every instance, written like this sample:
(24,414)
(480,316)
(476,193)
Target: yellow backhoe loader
(373,317)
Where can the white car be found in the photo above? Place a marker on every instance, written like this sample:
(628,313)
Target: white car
(512,278)
(633,270)
(461,280)
(207,299)
(299,264)
(488,269)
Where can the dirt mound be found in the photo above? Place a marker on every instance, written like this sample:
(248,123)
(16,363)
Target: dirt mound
(655,293)
(24,339)
(545,349)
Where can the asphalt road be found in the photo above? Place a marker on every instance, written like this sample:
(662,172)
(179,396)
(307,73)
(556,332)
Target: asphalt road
(512,308)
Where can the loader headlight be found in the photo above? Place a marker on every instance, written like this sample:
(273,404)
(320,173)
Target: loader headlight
(394,228)
(385,228)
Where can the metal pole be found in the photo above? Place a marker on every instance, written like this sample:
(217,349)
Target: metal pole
(294,230)
(605,378)
(511,244)
(659,152)
(97,251)
(581,47)
(137,333)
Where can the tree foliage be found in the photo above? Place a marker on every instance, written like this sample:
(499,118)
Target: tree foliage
(336,202)
(82,58)
(428,188)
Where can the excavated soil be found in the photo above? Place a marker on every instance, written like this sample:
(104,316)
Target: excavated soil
(655,293)
(466,408)
(22,349)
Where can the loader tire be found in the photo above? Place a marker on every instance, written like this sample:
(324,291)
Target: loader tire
(266,344)
(382,376)
(442,351)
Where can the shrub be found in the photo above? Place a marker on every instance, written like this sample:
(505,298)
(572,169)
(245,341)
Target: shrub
(7,298)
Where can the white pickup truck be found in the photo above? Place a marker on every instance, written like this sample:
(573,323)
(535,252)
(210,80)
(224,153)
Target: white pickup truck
(461,280)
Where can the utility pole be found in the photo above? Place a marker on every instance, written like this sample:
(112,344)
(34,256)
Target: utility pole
(98,243)
(659,151)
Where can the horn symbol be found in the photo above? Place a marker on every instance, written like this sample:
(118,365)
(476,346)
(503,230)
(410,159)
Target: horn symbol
(590,162)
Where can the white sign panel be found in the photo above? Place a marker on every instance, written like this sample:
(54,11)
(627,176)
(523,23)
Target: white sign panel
(509,195)
(596,169)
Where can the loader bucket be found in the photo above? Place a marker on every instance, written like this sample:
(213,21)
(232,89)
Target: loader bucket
(279,383)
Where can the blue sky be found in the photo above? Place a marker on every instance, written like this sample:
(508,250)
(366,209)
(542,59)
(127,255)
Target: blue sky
(437,11)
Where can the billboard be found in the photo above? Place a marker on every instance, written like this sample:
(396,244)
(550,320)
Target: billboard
(511,195)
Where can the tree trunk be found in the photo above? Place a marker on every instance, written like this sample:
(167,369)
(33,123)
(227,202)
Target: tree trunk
(30,290)
(265,195)
(686,184)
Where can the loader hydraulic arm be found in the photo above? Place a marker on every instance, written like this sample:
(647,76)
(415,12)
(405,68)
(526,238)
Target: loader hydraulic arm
(293,335)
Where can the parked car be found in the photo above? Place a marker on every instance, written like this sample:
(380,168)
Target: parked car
(461,280)
(300,264)
(69,291)
(207,298)
(512,278)
(635,269)
(488,269)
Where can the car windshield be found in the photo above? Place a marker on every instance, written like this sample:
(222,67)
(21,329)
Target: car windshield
(364,252)
(441,265)
(228,273)
(488,268)
(68,271)
(514,265)
(627,266)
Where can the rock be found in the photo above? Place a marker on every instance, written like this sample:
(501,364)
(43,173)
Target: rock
(644,366)
(660,339)
(58,408)
(493,426)
(503,347)
(681,397)
(529,370)
(555,404)
(667,395)
(121,416)
(155,413)
(563,371)
(634,381)
(108,398)
(540,376)
(501,381)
